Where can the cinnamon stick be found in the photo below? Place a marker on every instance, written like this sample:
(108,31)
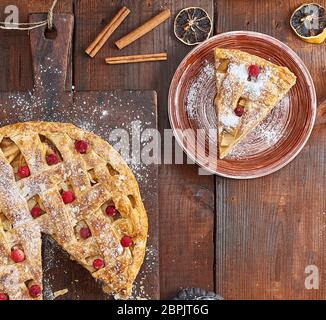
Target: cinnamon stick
(143,29)
(101,39)
(137,58)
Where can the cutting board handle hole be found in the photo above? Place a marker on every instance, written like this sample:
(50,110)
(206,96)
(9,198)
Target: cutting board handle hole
(51,34)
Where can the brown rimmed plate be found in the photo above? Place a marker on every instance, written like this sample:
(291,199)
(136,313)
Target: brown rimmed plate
(274,143)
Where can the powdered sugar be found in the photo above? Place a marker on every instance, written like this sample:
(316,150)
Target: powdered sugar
(252,87)
(265,135)
(238,71)
(197,85)
(141,285)
(229,120)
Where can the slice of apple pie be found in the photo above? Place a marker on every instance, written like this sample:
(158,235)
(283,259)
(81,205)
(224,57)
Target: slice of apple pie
(248,88)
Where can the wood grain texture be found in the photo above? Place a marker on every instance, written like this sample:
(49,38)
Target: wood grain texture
(17,73)
(51,69)
(186,200)
(269,229)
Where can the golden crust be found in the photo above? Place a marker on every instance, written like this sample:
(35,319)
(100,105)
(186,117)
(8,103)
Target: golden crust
(258,96)
(115,183)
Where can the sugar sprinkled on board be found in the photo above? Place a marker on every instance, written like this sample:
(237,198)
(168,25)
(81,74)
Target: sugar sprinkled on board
(47,289)
(49,262)
(49,259)
(139,291)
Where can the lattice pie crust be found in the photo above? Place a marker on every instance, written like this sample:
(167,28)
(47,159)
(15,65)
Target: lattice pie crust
(255,97)
(99,178)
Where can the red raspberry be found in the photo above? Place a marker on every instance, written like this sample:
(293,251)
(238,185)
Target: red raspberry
(85,232)
(52,159)
(17,255)
(253,71)
(24,172)
(239,111)
(81,146)
(36,212)
(3,296)
(68,197)
(126,241)
(111,211)
(98,264)
(35,291)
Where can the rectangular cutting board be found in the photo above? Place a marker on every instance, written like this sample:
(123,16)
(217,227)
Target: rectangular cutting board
(101,113)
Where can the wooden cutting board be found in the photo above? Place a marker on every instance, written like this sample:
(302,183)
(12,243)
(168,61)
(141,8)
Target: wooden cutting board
(53,99)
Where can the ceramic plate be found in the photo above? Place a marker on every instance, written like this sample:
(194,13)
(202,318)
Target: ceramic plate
(274,143)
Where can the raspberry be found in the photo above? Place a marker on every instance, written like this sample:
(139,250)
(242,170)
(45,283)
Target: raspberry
(85,232)
(126,241)
(253,71)
(17,255)
(35,291)
(3,296)
(52,159)
(111,211)
(68,197)
(98,264)
(36,212)
(24,172)
(239,111)
(81,146)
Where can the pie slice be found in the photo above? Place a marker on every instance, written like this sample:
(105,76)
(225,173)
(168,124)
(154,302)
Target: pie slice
(248,88)
(70,184)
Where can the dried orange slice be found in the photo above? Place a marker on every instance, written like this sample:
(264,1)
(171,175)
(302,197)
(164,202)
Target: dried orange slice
(309,22)
(192,25)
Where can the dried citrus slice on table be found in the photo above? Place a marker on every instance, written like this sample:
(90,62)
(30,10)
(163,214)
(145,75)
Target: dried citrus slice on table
(192,25)
(309,22)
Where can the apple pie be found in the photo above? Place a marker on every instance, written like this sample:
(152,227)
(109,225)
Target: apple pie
(248,88)
(70,184)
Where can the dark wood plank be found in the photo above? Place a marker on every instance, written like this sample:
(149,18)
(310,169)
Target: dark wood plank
(16,69)
(50,65)
(186,200)
(270,229)
(100,112)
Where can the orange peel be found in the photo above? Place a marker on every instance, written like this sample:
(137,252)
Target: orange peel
(309,22)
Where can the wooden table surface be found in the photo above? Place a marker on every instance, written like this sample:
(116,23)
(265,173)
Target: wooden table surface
(248,239)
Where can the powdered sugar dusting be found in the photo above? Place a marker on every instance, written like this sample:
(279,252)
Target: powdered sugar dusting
(204,76)
(266,135)
(139,289)
(229,120)
(252,88)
